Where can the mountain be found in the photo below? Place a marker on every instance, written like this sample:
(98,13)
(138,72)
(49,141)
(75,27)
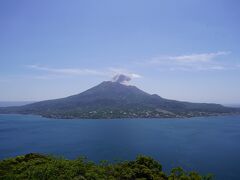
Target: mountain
(115,100)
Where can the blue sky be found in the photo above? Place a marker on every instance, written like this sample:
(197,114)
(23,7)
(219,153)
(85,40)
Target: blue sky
(183,50)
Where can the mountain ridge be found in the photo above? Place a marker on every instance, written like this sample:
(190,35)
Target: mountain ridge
(115,100)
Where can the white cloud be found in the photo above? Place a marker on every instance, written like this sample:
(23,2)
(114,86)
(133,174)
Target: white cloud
(53,73)
(204,57)
(115,71)
(67,71)
(199,62)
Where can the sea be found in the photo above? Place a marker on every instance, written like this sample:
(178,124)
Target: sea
(202,144)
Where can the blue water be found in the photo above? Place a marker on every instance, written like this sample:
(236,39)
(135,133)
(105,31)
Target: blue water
(206,145)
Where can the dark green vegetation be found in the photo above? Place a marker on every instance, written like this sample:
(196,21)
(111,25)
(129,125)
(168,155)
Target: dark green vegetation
(115,100)
(36,166)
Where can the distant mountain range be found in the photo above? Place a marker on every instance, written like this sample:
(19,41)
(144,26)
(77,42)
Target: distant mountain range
(14,103)
(233,105)
(115,100)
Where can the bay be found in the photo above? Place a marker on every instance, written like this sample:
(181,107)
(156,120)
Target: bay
(203,144)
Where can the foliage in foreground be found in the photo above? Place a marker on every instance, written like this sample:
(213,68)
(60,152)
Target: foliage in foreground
(37,166)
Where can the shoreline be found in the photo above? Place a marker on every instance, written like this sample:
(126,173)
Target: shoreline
(125,118)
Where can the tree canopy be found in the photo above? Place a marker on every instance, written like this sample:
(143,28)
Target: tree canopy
(42,167)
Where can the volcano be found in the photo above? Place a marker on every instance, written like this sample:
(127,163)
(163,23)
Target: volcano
(115,100)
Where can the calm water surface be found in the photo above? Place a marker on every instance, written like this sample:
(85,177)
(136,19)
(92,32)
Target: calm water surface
(209,144)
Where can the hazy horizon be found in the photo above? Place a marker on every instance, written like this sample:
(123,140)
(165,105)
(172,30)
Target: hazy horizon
(183,50)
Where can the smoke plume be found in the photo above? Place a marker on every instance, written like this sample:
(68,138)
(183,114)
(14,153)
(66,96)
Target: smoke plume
(121,78)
